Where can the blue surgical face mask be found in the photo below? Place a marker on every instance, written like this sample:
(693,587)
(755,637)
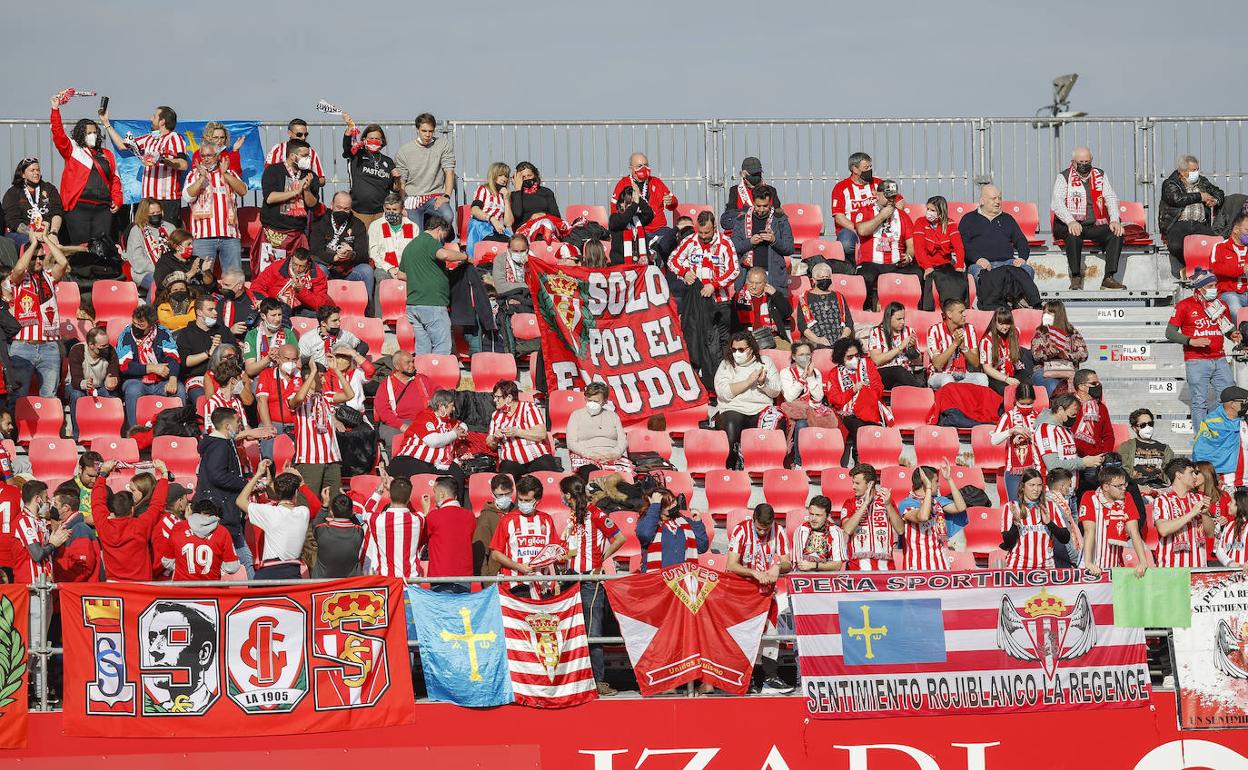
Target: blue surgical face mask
(526,506)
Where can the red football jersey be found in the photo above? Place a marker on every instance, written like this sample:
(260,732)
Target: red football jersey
(200,558)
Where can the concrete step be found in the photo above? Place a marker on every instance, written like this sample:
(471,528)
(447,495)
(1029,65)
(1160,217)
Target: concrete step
(1143,273)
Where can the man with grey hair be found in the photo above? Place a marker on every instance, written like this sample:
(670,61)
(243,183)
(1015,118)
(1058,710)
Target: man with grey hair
(236,305)
(428,444)
(853,194)
(1187,203)
(212,192)
(339,241)
(1085,208)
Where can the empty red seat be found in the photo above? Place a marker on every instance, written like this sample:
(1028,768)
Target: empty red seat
(1198,251)
(1028,217)
(552,496)
(114,299)
(828,248)
(181,455)
(484,252)
(1135,223)
(351,297)
(642,440)
(392,300)
(786,490)
(147,407)
(301,325)
(922,322)
(911,406)
(878,446)
(679,482)
(987,455)
(121,449)
(983,530)
(283,450)
(780,358)
(690,210)
(900,287)
(442,371)
(99,418)
(681,421)
(838,486)
(488,369)
(762,450)
(479,492)
(958,209)
(371,331)
(248,225)
(39,417)
(590,211)
(726,490)
(962,476)
(852,288)
(820,448)
(806,220)
(68,299)
(524,326)
(1026,320)
(916,211)
(562,403)
(896,479)
(705,451)
(363,485)
(934,443)
(1122,433)
(53,459)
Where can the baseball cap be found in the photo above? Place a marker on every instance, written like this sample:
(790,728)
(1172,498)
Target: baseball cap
(1233,393)
(176,493)
(752,165)
(1202,278)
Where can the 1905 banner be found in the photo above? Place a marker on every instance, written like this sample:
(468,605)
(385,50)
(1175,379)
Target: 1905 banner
(616,325)
(964,643)
(1211,657)
(152,660)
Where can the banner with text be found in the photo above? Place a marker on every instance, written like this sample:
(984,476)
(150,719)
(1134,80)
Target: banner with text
(964,643)
(616,325)
(1211,656)
(152,660)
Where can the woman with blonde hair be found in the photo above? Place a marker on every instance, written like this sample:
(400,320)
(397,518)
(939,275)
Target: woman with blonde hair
(146,241)
(491,208)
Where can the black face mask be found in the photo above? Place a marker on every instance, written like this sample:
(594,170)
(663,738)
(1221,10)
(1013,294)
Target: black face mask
(333,331)
(31,185)
(868,176)
(753,180)
(1095,391)
(153,221)
(179,296)
(823,284)
(1070,422)
(529,185)
(340,217)
(684,233)
(1083,168)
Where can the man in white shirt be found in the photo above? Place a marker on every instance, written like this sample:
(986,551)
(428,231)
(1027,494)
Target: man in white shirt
(316,344)
(387,237)
(285,523)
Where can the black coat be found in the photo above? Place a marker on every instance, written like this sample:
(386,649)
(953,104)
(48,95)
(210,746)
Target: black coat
(696,321)
(221,479)
(1175,197)
(620,221)
(470,303)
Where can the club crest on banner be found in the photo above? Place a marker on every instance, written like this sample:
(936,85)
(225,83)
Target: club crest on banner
(111,692)
(1047,630)
(547,640)
(265,665)
(691,583)
(339,634)
(566,310)
(178,663)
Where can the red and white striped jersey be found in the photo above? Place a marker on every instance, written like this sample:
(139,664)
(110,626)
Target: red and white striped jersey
(1234,545)
(214,212)
(33,304)
(940,337)
(28,530)
(278,155)
(492,204)
(1185,548)
(887,245)
(160,542)
(876,343)
(713,263)
(755,552)
(522,537)
(1021,453)
(588,542)
(428,426)
(524,415)
(1110,527)
(1001,361)
(1052,438)
(828,544)
(316,441)
(394,540)
(924,543)
(160,180)
(219,399)
(1034,549)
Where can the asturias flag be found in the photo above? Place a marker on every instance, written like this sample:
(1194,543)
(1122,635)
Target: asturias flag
(130,166)
(463,648)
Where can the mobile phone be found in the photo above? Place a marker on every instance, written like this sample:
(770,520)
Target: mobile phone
(103,105)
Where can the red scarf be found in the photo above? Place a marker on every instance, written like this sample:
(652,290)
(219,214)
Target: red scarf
(155,240)
(1089,416)
(409,232)
(145,351)
(753,312)
(1077,195)
(874,537)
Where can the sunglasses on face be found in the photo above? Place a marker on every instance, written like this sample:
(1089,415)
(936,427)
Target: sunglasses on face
(304,135)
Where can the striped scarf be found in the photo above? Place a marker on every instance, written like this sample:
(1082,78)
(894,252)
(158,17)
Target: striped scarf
(1077,195)
(873,538)
(652,560)
(387,232)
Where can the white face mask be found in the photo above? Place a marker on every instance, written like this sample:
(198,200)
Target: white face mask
(502,502)
(1210,293)
(1046,319)
(1145,432)
(238,388)
(273,327)
(1193,177)
(304,163)
(519,257)
(526,506)
(739,357)
(932,216)
(91,139)
(594,408)
(290,367)
(851,362)
(802,361)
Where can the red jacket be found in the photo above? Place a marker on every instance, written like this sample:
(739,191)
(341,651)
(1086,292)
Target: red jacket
(867,407)
(78,165)
(654,196)
(1229,262)
(409,400)
(933,248)
(127,554)
(78,561)
(1103,432)
(274,278)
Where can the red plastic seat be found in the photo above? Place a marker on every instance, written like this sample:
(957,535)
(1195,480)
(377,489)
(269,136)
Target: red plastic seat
(1198,251)
(828,248)
(980,319)
(713,561)
(68,299)
(935,443)
(916,211)
(983,530)
(679,482)
(592,212)
(762,450)
(99,418)
(1135,222)
(462,215)
(53,459)
(484,252)
(1028,217)
(363,485)
(552,496)
(896,479)
(371,331)
(690,210)
(786,490)
(38,417)
(922,322)
(147,407)
(911,407)
(820,448)
(878,446)
(351,297)
(392,300)
(117,448)
(442,371)
(1122,432)
(987,455)
(181,455)
(837,485)
(681,421)
(479,492)
(780,358)
(283,450)
(524,326)
(1042,397)
(562,403)
(734,517)
(642,440)
(1026,320)
(962,476)
(248,225)
(806,219)
(958,209)
(726,490)
(114,299)
(705,451)
(301,325)
(852,288)
(488,369)
(900,287)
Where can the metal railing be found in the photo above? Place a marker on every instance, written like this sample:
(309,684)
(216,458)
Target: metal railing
(699,159)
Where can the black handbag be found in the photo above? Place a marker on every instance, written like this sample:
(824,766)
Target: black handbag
(100,261)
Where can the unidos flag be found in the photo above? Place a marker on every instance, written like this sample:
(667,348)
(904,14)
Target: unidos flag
(548,651)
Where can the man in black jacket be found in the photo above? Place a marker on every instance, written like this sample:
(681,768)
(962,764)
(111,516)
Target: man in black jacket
(1187,203)
(221,478)
(761,309)
(763,237)
(339,241)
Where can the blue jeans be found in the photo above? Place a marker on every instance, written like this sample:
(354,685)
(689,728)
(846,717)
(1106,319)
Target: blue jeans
(1234,302)
(74,394)
(244,555)
(1048,383)
(43,357)
(797,430)
(975,270)
(226,251)
(1203,374)
(131,390)
(594,607)
(849,242)
(433,329)
(417,215)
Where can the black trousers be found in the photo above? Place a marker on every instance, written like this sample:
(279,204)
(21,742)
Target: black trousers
(892,376)
(279,572)
(852,424)
(1175,235)
(734,423)
(86,221)
(1098,234)
(948,281)
(516,470)
(871,273)
(410,466)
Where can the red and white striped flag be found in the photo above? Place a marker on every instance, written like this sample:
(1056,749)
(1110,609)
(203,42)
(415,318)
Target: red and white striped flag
(548,650)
